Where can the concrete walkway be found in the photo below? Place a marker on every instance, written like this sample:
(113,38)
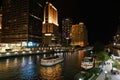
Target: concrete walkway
(101,76)
(107,67)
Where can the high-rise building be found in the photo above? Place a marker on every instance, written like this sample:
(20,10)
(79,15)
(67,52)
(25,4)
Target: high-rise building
(50,14)
(22,21)
(50,27)
(116,38)
(1,18)
(66,29)
(0,22)
(79,35)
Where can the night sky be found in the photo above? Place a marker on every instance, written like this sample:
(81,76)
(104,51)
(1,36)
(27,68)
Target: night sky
(99,16)
(0,2)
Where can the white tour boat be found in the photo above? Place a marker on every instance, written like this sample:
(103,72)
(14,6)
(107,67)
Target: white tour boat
(87,63)
(49,61)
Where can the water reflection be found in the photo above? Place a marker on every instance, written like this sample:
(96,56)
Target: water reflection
(23,61)
(7,62)
(38,58)
(30,60)
(80,56)
(29,68)
(15,61)
(51,73)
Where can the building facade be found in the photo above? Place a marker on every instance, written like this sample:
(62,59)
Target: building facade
(116,38)
(66,29)
(79,35)
(50,27)
(22,21)
(0,23)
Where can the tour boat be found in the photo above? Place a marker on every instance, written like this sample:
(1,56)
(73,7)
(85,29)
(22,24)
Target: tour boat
(87,63)
(49,61)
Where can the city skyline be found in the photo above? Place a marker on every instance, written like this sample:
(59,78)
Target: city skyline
(59,39)
(100,18)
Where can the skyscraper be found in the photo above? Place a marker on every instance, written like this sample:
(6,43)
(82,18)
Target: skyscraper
(0,22)
(50,27)
(22,21)
(1,18)
(79,35)
(117,34)
(66,29)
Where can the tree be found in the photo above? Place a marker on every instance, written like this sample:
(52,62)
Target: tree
(100,54)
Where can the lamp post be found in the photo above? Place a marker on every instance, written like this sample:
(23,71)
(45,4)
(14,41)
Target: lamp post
(91,53)
(105,75)
(67,40)
(80,79)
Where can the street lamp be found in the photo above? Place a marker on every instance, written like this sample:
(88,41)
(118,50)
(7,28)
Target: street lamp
(80,79)
(91,53)
(105,75)
(67,40)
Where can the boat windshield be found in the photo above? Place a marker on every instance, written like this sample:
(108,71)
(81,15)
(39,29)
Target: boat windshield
(86,59)
(53,57)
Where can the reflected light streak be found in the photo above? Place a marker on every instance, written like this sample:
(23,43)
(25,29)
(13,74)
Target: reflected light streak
(2,66)
(7,62)
(30,60)
(38,57)
(44,55)
(23,61)
(15,61)
(80,56)
(55,54)
(51,73)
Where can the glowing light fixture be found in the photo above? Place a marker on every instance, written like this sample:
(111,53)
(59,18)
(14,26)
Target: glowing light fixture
(48,34)
(30,44)
(24,43)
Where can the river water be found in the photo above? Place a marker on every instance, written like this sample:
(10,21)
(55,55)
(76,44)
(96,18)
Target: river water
(29,68)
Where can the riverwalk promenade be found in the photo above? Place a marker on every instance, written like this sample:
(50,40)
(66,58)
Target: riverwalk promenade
(22,53)
(107,72)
